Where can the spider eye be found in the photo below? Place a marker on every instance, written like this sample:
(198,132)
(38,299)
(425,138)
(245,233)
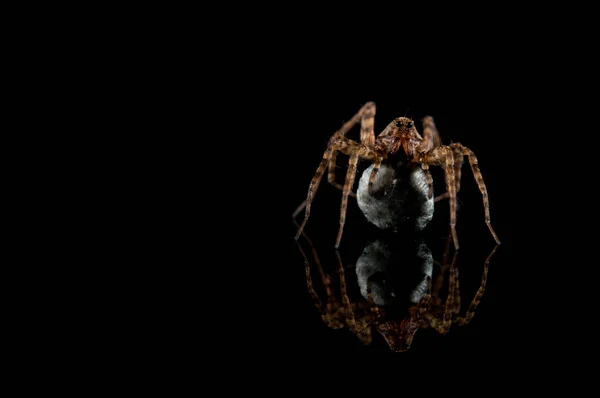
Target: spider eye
(398,124)
(409,125)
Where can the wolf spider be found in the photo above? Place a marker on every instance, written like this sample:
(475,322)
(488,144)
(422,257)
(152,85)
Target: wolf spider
(362,316)
(401,133)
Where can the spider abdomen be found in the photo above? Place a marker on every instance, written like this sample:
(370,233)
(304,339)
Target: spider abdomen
(389,271)
(399,200)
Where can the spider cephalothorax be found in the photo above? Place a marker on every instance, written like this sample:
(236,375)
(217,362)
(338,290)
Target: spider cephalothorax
(400,334)
(420,151)
(399,134)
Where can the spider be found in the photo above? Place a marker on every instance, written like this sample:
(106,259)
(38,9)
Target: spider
(400,134)
(428,310)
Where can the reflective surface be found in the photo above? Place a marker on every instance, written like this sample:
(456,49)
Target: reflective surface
(394,288)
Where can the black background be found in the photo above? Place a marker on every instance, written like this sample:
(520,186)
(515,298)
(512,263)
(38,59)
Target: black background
(281,127)
(278,98)
(521,139)
(254,129)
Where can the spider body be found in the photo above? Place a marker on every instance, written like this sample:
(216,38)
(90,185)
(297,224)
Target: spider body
(400,135)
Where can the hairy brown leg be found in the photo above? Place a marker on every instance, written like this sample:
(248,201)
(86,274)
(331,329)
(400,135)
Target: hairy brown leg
(348,147)
(344,293)
(429,180)
(439,283)
(367,137)
(311,290)
(361,329)
(448,311)
(358,322)
(456,308)
(431,136)
(297,211)
(367,124)
(334,313)
(330,179)
(458,162)
(366,114)
(445,264)
(443,325)
(482,188)
(443,196)
(376,166)
(331,174)
(444,157)
(431,140)
(452,289)
(350,176)
(450,186)
(367,108)
(477,299)
(339,142)
(312,246)
(314,185)
(425,303)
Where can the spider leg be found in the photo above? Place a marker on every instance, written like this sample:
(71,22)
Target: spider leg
(351,320)
(297,211)
(357,321)
(350,148)
(350,176)
(367,124)
(311,289)
(425,303)
(331,174)
(335,314)
(438,283)
(431,140)
(443,196)
(330,179)
(458,162)
(431,136)
(451,187)
(376,166)
(452,290)
(456,307)
(429,180)
(443,325)
(479,179)
(364,114)
(314,185)
(445,264)
(367,137)
(444,157)
(477,299)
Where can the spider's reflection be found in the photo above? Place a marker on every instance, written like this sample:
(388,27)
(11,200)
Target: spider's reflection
(396,288)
